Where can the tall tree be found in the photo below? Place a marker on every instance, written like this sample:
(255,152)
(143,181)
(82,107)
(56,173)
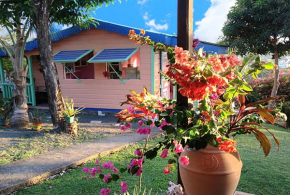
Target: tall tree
(63,12)
(14,22)
(261,27)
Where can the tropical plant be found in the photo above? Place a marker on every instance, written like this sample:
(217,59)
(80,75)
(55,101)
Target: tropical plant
(70,110)
(214,81)
(260,27)
(36,116)
(16,53)
(6,106)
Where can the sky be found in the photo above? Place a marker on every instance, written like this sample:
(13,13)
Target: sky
(161,16)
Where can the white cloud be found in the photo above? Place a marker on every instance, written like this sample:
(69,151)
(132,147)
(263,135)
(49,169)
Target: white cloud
(156,27)
(141,2)
(210,27)
(145,16)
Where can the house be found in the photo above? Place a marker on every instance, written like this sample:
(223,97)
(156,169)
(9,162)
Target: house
(84,56)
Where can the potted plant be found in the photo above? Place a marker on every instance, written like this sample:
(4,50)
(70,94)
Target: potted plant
(5,109)
(70,111)
(202,139)
(36,117)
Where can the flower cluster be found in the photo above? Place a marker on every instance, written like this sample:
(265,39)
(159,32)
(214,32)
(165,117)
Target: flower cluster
(107,178)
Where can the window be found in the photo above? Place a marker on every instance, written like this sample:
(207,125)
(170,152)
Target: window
(80,69)
(115,70)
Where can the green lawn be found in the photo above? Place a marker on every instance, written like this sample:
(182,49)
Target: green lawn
(260,175)
(42,142)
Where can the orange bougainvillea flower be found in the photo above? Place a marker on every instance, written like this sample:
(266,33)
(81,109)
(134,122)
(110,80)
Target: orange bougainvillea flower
(142,31)
(132,33)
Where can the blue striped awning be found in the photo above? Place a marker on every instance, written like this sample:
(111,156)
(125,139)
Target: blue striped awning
(113,55)
(70,55)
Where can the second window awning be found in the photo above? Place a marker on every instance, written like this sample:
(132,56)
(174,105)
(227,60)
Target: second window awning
(67,56)
(113,55)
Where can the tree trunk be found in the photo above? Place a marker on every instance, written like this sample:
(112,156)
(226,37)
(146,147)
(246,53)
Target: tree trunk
(55,100)
(19,117)
(276,81)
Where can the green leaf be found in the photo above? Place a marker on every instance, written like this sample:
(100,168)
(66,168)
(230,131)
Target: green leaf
(171,161)
(115,177)
(157,123)
(150,154)
(122,170)
(269,66)
(246,87)
(134,169)
(169,129)
(101,176)
(164,114)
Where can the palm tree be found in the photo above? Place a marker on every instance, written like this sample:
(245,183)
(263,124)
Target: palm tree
(15,51)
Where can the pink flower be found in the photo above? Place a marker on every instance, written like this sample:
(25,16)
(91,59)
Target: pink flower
(178,148)
(140,123)
(184,160)
(138,152)
(124,187)
(107,177)
(115,170)
(137,162)
(175,143)
(144,131)
(86,169)
(88,177)
(108,165)
(97,162)
(128,125)
(131,110)
(139,171)
(99,170)
(164,123)
(105,191)
(166,170)
(170,183)
(164,153)
(123,127)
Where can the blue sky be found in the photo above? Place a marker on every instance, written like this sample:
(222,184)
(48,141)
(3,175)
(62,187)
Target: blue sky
(161,16)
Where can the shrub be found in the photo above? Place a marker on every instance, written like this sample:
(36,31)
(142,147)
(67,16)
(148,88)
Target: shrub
(263,86)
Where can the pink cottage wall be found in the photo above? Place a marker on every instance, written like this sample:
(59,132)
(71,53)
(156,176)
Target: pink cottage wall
(99,92)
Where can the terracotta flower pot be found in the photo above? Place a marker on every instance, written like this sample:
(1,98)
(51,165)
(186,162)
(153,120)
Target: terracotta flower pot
(36,126)
(210,171)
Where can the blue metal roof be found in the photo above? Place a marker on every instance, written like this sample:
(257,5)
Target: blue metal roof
(122,30)
(70,55)
(113,55)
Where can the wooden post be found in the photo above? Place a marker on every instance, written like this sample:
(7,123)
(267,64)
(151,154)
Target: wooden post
(184,40)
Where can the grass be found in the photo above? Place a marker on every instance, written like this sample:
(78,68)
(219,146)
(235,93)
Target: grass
(260,175)
(34,144)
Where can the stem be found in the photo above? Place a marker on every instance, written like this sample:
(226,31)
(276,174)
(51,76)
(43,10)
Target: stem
(144,150)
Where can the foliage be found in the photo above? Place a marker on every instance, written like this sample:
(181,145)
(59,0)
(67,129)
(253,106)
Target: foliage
(70,110)
(258,26)
(6,106)
(263,86)
(36,116)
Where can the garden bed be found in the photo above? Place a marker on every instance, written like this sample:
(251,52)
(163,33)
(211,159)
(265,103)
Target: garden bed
(260,175)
